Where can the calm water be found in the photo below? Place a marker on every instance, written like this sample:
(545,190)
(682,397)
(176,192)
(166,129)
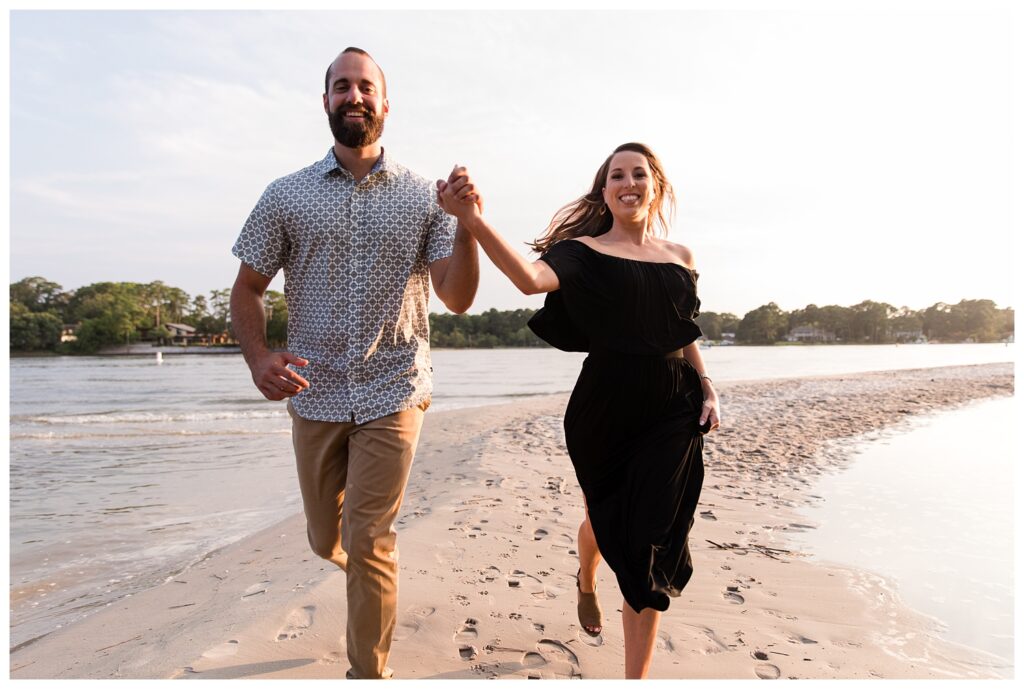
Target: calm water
(124,471)
(932,509)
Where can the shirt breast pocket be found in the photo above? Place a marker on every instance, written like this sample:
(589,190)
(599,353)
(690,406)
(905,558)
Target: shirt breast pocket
(394,238)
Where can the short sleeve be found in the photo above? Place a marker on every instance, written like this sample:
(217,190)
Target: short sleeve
(440,234)
(566,261)
(553,323)
(263,243)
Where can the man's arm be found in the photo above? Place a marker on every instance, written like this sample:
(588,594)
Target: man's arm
(249,321)
(457,277)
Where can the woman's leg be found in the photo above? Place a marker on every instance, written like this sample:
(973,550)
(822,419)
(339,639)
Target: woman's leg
(640,631)
(590,556)
(588,607)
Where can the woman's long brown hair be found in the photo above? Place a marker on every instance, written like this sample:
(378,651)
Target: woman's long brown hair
(588,215)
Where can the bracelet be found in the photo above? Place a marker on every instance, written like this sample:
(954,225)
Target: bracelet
(704,377)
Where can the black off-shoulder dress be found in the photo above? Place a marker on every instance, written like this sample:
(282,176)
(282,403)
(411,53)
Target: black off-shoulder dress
(632,423)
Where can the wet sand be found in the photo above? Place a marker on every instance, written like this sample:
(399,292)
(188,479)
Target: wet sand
(487,537)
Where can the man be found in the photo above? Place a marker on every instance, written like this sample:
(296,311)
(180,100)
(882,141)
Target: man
(360,238)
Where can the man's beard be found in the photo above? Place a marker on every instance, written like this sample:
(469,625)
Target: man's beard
(355,133)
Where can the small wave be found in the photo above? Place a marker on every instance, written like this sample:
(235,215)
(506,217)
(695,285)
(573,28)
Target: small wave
(154,417)
(235,432)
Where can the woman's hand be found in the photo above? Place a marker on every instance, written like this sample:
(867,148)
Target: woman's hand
(459,196)
(711,409)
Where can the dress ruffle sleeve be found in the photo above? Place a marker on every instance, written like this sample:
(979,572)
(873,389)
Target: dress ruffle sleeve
(553,323)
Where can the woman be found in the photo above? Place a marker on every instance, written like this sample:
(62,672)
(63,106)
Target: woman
(634,422)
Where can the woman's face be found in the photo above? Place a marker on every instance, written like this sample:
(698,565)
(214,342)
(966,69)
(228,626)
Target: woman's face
(629,187)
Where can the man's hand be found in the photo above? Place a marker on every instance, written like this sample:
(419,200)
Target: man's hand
(274,379)
(458,195)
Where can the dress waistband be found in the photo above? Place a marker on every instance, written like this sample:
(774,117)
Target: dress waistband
(677,354)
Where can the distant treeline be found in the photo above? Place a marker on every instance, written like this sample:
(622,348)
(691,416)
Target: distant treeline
(45,318)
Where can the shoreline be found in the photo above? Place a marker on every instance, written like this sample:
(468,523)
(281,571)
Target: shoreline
(141,350)
(487,534)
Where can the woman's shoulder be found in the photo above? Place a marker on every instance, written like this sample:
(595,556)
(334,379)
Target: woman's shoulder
(681,252)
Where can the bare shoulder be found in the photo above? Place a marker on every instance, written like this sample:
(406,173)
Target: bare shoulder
(683,253)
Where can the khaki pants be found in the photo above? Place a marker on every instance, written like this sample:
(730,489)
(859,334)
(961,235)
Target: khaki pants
(353,477)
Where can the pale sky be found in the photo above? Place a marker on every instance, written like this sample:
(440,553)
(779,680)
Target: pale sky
(818,158)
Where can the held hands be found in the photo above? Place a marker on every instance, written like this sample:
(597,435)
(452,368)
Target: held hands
(459,196)
(274,379)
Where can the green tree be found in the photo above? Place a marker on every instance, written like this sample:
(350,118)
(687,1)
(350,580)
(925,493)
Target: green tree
(277,318)
(110,314)
(764,325)
(870,321)
(38,294)
(33,331)
(938,322)
(714,324)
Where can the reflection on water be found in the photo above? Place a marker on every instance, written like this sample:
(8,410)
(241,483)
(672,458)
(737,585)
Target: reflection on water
(932,509)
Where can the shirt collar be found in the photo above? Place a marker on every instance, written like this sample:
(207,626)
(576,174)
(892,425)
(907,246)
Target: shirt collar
(330,163)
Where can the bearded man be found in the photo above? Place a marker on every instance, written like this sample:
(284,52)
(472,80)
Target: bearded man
(360,239)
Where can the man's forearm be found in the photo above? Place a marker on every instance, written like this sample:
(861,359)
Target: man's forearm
(249,321)
(462,276)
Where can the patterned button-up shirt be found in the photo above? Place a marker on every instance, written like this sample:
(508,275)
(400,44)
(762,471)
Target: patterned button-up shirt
(355,258)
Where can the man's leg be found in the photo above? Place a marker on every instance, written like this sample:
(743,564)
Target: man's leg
(380,458)
(321,459)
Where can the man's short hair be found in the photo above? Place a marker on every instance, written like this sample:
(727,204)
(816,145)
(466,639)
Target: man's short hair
(359,51)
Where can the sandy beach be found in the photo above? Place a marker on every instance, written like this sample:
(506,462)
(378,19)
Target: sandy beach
(487,539)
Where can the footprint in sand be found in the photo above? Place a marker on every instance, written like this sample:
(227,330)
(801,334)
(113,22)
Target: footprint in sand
(664,642)
(709,515)
(589,640)
(224,650)
(733,596)
(767,671)
(562,542)
(411,621)
(299,620)
(516,578)
(533,659)
(540,534)
(467,631)
(712,643)
(448,553)
(255,589)
(800,639)
(567,664)
(332,658)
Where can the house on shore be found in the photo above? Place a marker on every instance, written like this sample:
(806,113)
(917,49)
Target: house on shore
(181,334)
(810,333)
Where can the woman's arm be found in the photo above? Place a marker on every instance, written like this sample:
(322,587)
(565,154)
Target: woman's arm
(711,408)
(458,197)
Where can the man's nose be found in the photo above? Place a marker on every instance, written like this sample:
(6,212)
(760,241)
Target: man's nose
(353,96)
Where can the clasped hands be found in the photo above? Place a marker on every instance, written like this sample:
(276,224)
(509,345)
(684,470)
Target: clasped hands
(459,196)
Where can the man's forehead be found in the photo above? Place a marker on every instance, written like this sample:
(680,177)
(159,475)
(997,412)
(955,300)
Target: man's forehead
(355,67)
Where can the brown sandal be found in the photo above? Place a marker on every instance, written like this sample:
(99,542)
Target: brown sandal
(588,609)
